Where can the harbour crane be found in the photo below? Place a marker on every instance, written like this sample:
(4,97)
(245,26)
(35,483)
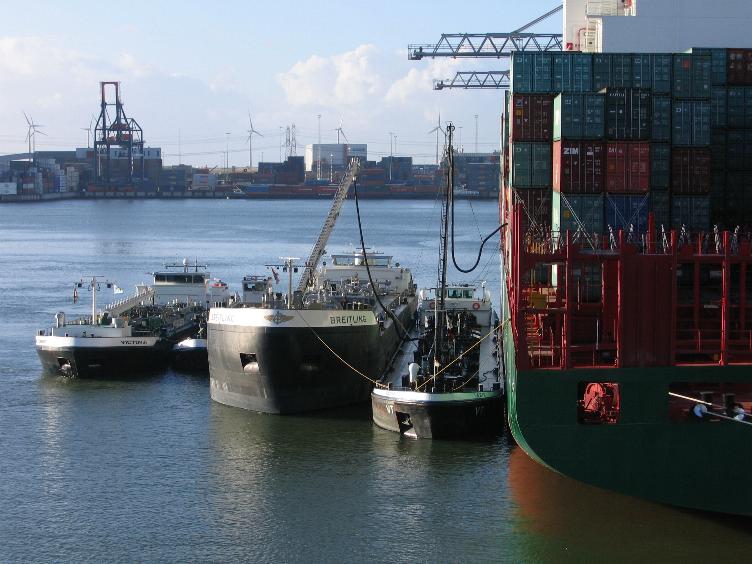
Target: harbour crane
(485,45)
(319,247)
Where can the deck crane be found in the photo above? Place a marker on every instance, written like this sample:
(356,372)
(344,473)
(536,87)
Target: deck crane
(485,45)
(320,245)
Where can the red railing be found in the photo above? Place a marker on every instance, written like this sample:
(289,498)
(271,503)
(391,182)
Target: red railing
(601,300)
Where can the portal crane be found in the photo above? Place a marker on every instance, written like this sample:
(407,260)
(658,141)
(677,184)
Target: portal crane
(484,45)
(320,245)
(475,79)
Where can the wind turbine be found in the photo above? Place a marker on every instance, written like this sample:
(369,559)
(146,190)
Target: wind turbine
(339,130)
(251,131)
(31,134)
(88,132)
(438,129)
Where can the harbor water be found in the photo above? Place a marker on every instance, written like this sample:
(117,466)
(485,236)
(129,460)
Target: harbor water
(151,469)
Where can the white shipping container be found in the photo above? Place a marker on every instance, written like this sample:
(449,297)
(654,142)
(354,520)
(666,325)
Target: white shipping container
(8,188)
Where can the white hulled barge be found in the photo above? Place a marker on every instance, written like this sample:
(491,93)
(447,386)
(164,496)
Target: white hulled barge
(129,336)
(319,346)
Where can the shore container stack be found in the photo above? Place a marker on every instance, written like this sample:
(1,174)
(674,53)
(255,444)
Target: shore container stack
(597,141)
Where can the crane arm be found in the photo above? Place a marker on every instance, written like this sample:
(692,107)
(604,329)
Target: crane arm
(317,251)
(475,79)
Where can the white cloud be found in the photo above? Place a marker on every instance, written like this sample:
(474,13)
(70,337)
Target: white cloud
(347,79)
(420,82)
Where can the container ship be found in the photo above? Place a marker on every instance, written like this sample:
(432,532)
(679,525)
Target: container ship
(627,260)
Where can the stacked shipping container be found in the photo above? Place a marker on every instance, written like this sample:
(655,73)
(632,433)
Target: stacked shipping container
(600,140)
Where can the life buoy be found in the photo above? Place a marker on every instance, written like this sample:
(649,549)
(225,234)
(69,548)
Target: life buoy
(476,305)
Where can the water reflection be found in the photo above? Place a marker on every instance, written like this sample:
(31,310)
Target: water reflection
(333,486)
(561,518)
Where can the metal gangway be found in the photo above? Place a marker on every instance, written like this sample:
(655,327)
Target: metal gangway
(320,245)
(141,297)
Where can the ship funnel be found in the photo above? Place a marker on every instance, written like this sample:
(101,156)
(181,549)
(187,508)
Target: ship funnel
(60,319)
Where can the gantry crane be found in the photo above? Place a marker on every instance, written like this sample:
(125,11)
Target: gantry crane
(485,45)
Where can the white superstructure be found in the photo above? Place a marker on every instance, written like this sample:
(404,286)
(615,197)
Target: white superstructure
(655,26)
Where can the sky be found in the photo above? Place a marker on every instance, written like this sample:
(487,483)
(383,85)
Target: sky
(191,72)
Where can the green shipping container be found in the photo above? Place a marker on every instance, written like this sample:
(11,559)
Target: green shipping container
(661,64)
(531,165)
(572,72)
(612,70)
(718,149)
(579,116)
(718,106)
(660,205)
(543,72)
(642,70)
(660,166)
(521,77)
(739,108)
(739,151)
(661,125)
(691,123)
(718,63)
(575,212)
(691,76)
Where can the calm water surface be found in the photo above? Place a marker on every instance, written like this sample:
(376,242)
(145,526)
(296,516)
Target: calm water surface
(152,469)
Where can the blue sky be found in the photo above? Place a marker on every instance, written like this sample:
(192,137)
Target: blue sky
(198,68)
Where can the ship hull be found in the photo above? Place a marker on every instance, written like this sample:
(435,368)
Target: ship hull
(464,415)
(104,360)
(192,357)
(291,370)
(692,463)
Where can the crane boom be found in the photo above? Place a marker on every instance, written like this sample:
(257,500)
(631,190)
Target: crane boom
(320,245)
(539,19)
(475,45)
(475,79)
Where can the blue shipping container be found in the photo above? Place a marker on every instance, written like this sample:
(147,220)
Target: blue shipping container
(573,72)
(623,211)
(661,125)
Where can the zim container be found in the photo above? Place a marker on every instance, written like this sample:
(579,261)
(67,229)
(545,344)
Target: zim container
(579,116)
(578,167)
(627,167)
(575,212)
(690,171)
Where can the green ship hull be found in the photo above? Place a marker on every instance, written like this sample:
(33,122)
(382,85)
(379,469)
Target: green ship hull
(688,463)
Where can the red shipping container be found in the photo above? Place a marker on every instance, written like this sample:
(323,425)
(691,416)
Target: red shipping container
(690,171)
(739,66)
(532,117)
(627,167)
(578,167)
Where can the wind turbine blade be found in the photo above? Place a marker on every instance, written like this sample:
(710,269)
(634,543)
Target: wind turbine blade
(345,136)
(40,132)
(27,118)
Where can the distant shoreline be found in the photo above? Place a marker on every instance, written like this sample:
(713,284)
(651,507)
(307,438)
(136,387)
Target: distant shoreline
(54,197)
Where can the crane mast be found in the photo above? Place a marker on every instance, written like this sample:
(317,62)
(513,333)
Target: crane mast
(485,45)
(320,245)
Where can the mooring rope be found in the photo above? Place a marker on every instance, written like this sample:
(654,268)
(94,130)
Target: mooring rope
(704,403)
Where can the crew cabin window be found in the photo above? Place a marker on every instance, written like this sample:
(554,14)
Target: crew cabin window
(598,403)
